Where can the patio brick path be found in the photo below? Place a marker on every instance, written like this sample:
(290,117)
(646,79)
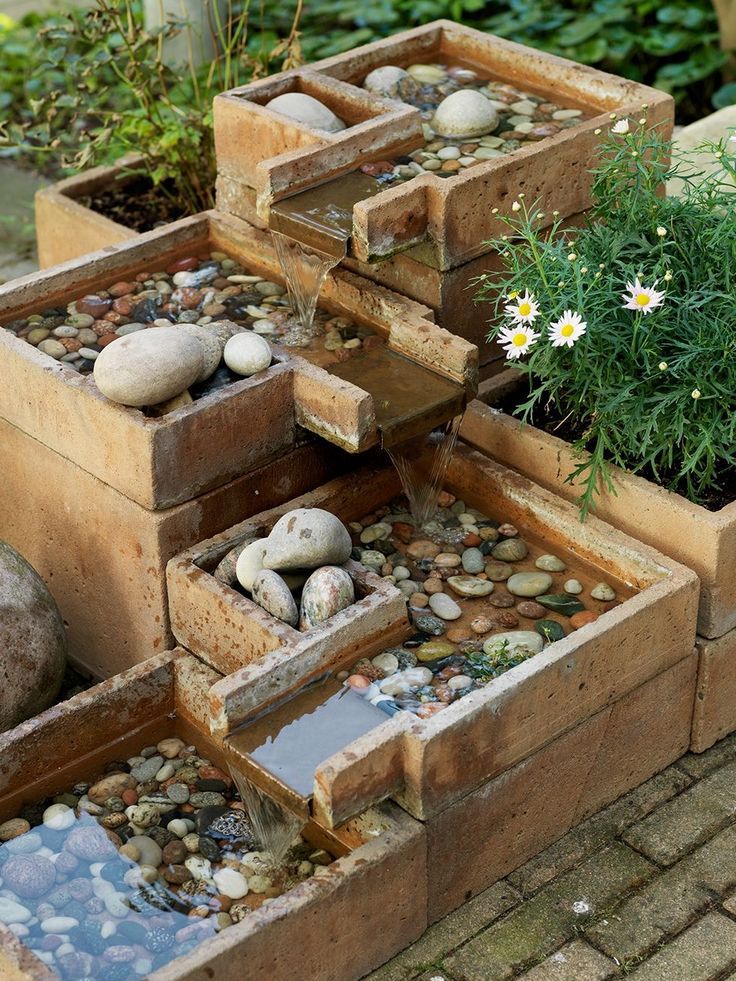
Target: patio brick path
(645,890)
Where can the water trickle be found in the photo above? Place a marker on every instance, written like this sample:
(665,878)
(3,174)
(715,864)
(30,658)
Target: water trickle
(422,467)
(275,826)
(305,270)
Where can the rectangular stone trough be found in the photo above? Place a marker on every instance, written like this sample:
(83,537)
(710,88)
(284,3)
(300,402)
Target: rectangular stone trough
(446,222)
(66,227)
(160,462)
(346,920)
(701,539)
(428,765)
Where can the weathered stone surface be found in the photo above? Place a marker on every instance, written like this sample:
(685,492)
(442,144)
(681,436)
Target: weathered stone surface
(698,765)
(552,917)
(441,938)
(573,962)
(32,640)
(597,831)
(670,902)
(706,951)
(689,820)
(715,705)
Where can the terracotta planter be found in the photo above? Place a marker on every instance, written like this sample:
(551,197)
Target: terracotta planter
(159,462)
(703,540)
(385,850)
(425,764)
(66,228)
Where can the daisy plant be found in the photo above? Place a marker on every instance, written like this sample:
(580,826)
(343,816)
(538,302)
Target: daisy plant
(625,329)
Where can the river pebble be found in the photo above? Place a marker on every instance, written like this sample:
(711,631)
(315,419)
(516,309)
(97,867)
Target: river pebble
(96,919)
(444,606)
(466,119)
(145,337)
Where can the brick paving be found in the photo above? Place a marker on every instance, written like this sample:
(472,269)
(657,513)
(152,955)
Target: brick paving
(644,890)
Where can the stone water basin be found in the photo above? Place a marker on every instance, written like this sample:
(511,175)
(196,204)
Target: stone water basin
(424,762)
(81,895)
(541,113)
(228,430)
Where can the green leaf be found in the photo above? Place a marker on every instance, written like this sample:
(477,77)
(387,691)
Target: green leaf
(725,96)
(580,30)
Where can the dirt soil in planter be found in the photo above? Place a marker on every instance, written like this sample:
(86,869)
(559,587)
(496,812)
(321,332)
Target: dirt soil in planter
(136,204)
(550,420)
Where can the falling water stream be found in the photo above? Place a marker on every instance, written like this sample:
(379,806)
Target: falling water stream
(275,826)
(305,270)
(423,473)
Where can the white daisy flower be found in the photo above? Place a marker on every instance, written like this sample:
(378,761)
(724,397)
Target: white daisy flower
(517,340)
(565,331)
(525,310)
(642,298)
(621,127)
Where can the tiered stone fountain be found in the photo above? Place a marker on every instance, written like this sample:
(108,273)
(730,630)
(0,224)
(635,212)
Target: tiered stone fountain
(382,676)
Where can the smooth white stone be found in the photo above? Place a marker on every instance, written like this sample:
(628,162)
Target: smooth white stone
(115,904)
(247,353)
(58,817)
(307,110)
(466,113)
(13,912)
(231,883)
(59,924)
(178,827)
(444,606)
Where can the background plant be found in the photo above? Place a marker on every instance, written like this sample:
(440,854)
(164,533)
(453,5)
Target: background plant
(672,45)
(649,392)
(97,87)
(77,87)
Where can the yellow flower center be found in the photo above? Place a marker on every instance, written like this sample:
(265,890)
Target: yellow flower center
(519,340)
(642,299)
(525,309)
(567,330)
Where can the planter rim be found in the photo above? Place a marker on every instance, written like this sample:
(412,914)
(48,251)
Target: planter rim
(718,518)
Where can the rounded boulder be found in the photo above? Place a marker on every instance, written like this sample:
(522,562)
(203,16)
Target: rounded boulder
(307,110)
(32,641)
(149,366)
(307,538)
(464,114)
